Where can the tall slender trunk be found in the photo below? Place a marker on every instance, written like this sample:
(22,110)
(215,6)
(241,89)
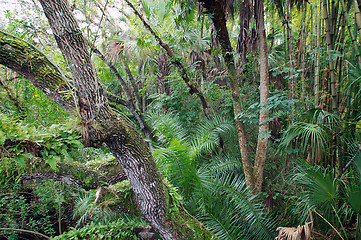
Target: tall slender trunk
(290,55)
(254,177)
(262,143)
(351,31)
(317,56)
(216,10)
(302,61)
(328,25)
(358,17)
(341,60)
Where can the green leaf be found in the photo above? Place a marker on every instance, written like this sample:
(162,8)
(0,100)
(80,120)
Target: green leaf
(354,198)
(52,160)
(2,138)
(146,8)
(28,155)
(20,161)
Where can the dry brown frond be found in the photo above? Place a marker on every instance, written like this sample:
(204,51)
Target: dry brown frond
(114,51)
(291,233)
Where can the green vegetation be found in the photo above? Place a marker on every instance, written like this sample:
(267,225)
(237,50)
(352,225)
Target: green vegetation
(198,100)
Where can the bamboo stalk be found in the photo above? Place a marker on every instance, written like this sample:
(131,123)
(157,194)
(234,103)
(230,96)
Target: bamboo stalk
(358,18)
(328,24)
(317,56)
(350,29)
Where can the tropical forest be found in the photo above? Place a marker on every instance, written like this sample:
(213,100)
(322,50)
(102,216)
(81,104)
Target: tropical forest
(180,120)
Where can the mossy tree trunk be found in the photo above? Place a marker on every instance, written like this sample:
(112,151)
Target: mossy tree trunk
(30,63)
(100,124)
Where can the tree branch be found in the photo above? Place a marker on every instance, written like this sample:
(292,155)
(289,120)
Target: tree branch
(29,62)
(24,231)
(129,94)
(174,61)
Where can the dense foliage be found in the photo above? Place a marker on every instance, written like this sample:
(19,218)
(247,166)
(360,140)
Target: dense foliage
(53,185)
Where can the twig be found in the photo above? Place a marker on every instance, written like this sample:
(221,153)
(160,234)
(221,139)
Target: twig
(25,231)
(100,22)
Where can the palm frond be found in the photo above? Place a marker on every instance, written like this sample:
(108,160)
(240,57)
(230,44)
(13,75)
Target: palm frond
(84,206)
(308,137)
(319,183)
(207,134)
(322,117)
(226,164)
(353,82)
(166,127)
(219,217)
(177,164)
(232,211)
(86,209)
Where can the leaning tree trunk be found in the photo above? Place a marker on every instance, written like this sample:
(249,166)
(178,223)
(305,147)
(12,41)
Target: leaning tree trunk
(100,124)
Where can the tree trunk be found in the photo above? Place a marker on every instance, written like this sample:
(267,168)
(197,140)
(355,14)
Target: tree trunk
(317,56)
(129,94)
(357,17)
(351,31)
(301,54)
(328,24)
(38,69)
(101,124)
(216,10)
(289,41)
(261,152)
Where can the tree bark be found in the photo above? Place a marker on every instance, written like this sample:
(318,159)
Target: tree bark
(261,153)
(317,56)
(26,60)
(215,9)
(102,125)
(328,24)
